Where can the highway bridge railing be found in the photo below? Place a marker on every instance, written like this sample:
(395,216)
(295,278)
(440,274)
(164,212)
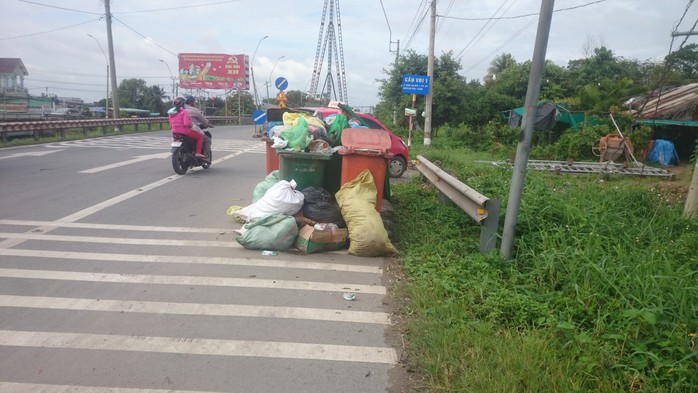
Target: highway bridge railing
(37,129)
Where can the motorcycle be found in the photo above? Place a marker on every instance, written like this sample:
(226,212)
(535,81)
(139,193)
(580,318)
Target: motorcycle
(183,154)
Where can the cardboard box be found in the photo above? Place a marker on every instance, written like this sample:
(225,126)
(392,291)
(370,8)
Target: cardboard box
(311,240)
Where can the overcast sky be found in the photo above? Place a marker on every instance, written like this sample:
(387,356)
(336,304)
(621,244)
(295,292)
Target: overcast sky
(51,37)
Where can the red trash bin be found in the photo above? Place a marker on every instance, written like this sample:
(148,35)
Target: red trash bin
(365,148)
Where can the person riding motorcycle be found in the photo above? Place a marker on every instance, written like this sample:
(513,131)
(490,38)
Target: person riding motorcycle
(199,120)
(181,123)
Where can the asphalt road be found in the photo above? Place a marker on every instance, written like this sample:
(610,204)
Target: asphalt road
(118,275)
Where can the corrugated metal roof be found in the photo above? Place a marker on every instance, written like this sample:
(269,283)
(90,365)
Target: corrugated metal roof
(680,103)
(9,65)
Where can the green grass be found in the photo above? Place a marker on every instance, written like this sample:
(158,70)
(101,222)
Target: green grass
(601,294)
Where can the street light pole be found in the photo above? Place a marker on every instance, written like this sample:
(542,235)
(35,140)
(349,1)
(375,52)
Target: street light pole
(106,102)
(171,76)
(254,83)
(272,71)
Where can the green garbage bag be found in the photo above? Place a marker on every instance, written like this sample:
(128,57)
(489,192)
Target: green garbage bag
(338,125)
(261,188)
(297,136)
(273,232)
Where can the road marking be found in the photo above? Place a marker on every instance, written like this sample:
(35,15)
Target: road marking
(278,263)
(191,280)
(128,162)
(145,228)
(9,243)
(119,240)
(16,387)
(30,154)
(196,309)
(198,346)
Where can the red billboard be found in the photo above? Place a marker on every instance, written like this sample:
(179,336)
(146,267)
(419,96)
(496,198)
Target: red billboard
(213,71)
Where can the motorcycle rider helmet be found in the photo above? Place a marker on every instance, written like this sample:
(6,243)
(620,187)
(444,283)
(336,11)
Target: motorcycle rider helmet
(179,102)
(189,100)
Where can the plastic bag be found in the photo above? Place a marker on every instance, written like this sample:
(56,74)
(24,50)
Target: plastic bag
(321,206)
(297,136)
(357,201)
(275,232)
(282,197)
(278,143)
(261,188)
(338,125)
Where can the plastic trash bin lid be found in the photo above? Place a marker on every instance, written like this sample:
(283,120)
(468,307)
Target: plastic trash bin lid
(366,139)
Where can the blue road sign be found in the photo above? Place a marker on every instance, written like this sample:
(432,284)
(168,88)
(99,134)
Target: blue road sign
(259,116)
(281,83)
(415,84)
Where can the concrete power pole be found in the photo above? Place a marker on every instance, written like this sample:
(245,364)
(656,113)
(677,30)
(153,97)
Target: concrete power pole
(430,74)
(112,66)
(529,119)
(690,210)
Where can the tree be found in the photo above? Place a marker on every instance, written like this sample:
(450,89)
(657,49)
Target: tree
(135,93)
(132,93)
(499,64)
(684,62)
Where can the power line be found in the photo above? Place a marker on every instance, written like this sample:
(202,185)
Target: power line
(416,30)
(415,24)
(147,38)
(67,83)
(442,21)
(522,16)
(49,31)
(504,44)
(60,8)
(177,8)
(477,39)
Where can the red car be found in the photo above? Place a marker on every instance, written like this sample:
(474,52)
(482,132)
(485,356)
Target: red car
(398,164)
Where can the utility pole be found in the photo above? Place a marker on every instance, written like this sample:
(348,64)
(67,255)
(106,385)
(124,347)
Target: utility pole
(430,74)
(112,66)
(526,133)
(690,210)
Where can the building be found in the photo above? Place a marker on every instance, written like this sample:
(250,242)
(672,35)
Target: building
(12,73)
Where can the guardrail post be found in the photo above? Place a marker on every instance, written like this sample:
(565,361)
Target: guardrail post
(489,226)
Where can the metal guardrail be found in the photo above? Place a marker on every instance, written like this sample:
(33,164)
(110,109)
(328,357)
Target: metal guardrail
(37,128)
(483,210)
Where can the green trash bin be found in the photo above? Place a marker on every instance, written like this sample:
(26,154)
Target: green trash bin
(307,169)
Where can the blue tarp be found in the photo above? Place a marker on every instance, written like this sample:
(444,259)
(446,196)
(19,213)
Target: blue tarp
(663,153)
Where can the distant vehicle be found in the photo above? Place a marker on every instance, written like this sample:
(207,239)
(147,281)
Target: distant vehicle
(397,164)
(65,114)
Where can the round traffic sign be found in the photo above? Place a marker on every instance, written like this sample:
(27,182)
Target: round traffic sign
(281,83)
(259,116)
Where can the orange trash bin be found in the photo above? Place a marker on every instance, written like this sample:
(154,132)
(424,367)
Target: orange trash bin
(272,157)
(365,148)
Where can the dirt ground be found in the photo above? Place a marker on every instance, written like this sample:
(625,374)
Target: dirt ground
(676,188)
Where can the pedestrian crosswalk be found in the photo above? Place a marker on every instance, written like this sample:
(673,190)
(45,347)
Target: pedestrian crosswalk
(89,307)
(140,141)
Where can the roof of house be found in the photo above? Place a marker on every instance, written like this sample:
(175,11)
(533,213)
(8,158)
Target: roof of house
(677,103)
(10,65)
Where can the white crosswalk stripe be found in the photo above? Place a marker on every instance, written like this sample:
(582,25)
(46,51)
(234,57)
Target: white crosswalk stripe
(159,142)
(173,305)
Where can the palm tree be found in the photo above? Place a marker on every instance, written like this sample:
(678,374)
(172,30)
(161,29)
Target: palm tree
(499,64)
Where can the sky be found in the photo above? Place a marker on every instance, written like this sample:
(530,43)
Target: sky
(52,38)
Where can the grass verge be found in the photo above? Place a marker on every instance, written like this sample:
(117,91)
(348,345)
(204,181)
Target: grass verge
(600,296)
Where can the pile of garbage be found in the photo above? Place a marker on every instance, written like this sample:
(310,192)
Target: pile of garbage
(300,131)
(314,220)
